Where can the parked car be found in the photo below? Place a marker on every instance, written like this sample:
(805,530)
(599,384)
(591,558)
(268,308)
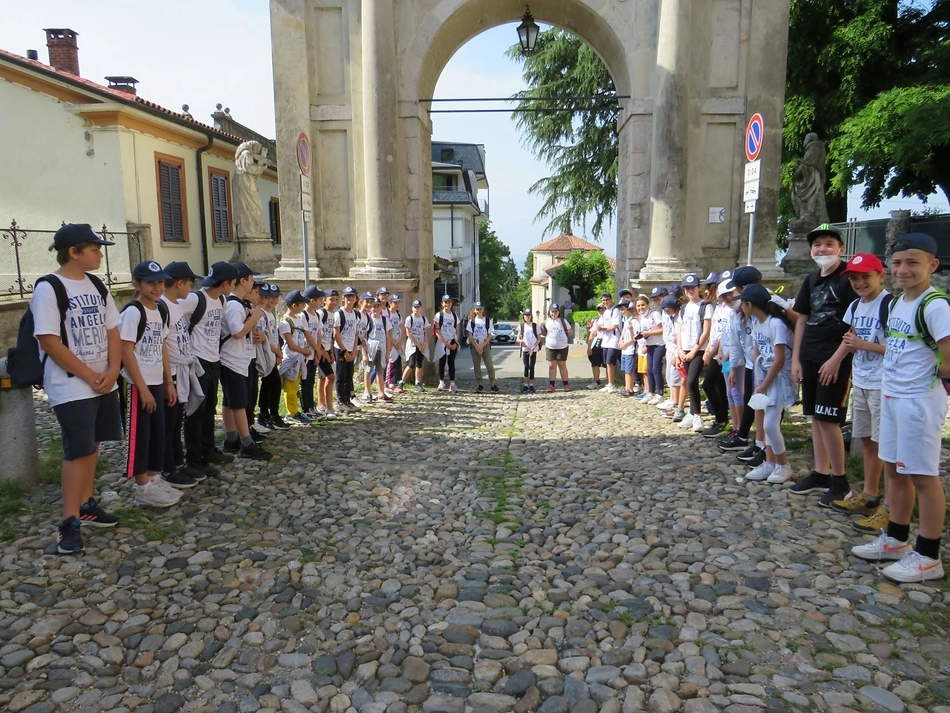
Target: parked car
(504,333)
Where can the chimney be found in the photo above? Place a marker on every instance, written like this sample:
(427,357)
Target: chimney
(63,50)
(33,54)
(123,84)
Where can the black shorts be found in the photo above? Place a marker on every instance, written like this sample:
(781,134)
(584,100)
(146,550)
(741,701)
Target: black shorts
(611,356)
(236,388)
(596,356)
(414,360)
(825,403)
(556,354)
(326,368)
(86,422)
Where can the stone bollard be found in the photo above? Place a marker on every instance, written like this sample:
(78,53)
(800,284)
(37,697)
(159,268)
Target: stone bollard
(19,460)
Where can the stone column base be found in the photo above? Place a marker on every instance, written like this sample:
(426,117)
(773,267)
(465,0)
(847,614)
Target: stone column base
(257,251)
(379,269)
(293,270)
(666,269)
(797,260)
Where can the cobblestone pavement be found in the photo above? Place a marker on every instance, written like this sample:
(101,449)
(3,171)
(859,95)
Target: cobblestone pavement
(566,553)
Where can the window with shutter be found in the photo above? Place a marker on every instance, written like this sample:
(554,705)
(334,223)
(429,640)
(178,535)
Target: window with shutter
(274,207)
(173,215)
(220,206)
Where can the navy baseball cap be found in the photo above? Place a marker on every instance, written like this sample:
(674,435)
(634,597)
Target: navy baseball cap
(295,298)
(823,230)
(624,292)
(555,308)
(478,305)
(756,294)
(417,303)
(150,271)
(746,275)
(725,275)
(382,291)
(712,278)
(669,302)
(915,241)
(366,296)
(690,280)
(220,272)
(623,304)
(606,295)
(334,293)
(447,298)
(659,292)
(76,233)
(348,290)
(274,289)
(180,271)
(395,298)
(526,312)
(244,270)
(314,293)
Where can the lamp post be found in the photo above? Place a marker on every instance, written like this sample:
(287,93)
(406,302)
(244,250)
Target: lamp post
(528,32)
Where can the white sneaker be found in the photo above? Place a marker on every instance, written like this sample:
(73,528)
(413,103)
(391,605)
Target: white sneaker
(656,400)
(453,388)
(610,389)
(328,414)
(915,567)
(882,548)
(593,385)
(260,429)
(164,486)
(663,405)
(761,472)
(441,386)
(698,425)
(780,474)
(152,495)
(637,389)
(685,423)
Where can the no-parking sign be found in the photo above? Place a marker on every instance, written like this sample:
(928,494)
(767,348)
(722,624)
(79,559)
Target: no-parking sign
(754,135)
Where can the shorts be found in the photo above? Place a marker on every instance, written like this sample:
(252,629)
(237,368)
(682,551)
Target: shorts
(673,375)
(911,431)
(596,356)
(866,413)
(86,422)
(555,354)
(627,363)
(326,368)
(236,388)
(825,403)
(611,356)
(414,360)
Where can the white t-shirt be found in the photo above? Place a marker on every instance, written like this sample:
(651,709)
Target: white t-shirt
(670,325)
(910,366)
(348,323)
(609,319)
(651,320)
(418,327)
(691,329)
(206,337)
(179,338)
(87,321)
(291,329)
(767,335)
(236,352)
(326,334)
(867,368)
(720,323)
(527,333)
(479,328)
(555,336)
(377,329)
(631,327)
(448,327)
(148,351)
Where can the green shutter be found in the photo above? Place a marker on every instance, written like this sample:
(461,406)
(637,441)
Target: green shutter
(173,220)
(221,222)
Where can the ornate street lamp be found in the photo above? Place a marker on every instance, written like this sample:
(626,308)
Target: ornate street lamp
(528,32)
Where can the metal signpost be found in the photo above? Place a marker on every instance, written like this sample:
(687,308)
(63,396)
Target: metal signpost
(306,202)
(754,135)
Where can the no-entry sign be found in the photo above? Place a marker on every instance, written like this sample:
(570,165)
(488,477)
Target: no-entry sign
(754,134)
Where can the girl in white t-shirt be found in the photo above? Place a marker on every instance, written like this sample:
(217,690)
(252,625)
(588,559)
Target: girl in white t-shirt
(557,335)
(394,366)
(529,338)
(417,329)
(446,326)
(630,329)
(479,330)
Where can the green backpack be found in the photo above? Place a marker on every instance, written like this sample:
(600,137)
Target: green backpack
(920,324)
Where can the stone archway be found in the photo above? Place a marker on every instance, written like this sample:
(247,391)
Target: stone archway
(351,73)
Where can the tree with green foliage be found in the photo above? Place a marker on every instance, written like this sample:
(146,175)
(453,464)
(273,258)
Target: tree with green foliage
(497,273)
(584,275)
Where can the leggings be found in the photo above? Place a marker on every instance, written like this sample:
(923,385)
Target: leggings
(529,361)
(734,393)
(477,360)
(694,370)
(394,371)
(772,423)
(306,386)
(655,355)
(448,358)
(269,399)
(748,415)
(715,387)
(344,378)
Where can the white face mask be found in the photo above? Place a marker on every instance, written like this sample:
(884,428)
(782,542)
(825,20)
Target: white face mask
(825,261)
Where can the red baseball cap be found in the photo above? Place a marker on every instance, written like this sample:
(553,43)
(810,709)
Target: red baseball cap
(864,262)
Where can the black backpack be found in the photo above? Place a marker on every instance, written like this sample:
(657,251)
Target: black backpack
(140,330)
(24,364)
(200,310)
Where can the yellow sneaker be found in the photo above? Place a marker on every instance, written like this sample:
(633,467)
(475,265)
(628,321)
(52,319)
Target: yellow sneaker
(854,504)
(875,522)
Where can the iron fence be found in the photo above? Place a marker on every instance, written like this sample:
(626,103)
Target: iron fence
(25,256)
(870,236)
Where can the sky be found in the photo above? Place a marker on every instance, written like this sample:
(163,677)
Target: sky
(222,55)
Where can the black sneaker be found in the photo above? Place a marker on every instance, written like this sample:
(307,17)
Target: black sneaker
(257,435)
(749,453)
(531,389)
(218,457)
(206,468)
(757,460)
(495,389)
(69,541)
(278,423)
(254,452)
(230,447)
(524,388)
(92,514)
(479,389)
(812,483)
(837,490)
(195,473)
(180,480)
(713,431)
(733,443)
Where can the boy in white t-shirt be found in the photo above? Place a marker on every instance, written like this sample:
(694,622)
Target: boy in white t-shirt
(913,411)
(346,327)
(148,377)
(82,352)
(628,346)
(417,328)
(268,358)
(866,341)
(293,329)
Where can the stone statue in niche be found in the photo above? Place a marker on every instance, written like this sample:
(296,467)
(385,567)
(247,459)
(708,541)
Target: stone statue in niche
(808,187)
(250,160)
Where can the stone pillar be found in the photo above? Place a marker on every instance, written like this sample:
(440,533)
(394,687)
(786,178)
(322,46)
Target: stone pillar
(20,462)
(898,225)
(668,257)
(381,165)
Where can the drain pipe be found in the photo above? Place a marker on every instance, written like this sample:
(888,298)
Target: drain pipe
(205,256)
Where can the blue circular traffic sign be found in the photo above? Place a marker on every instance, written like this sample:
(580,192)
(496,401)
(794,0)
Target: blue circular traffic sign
(754,134)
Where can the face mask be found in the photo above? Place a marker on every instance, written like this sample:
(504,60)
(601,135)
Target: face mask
(825,261)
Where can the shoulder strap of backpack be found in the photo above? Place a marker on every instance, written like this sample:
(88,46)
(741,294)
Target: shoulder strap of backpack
(62,301)
(920,323)
(884,312)
(99,285)
(342,318)
(163,311)
(702,311)
(199,311)
(290,323)
(143,318)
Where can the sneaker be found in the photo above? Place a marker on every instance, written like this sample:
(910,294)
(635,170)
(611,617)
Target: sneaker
(216,457)
(813,483)
(329,415)
(665,404)
(262,426)
(748,454)
(698,424)
(668,413)
(298,419)
(714,431)
(757,460)
(593,385)
(231,446)
(567,387)
(761,472)
(624,394)
(346,407)
(874,523)
(195,473)
(838,491)
(610,389)
(257,435)
(419,389)
(277,423)
(524,388)
(530,388)
(644,396)
(495,389)
(733,443)
(686,421)
(550,388)
(781,474)
(442,386)
(453,388)
(69,540)
(254,452)
(882,548)
(206,468)
(386,399)
(656,400)
(152,495)
(855,504)
(679,416)
(164,487)
(915,567)
(637,389)
(723,435)
(368,397)
(180,480)
(92,514)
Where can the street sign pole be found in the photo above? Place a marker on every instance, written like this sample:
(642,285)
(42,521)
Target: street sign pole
(306,253)
(751,236)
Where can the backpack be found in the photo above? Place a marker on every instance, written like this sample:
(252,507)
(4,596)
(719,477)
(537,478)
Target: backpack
(200,310)
(883,313)
(488,325)
(342,313)
(232,298)
(920,324)
(534,328)
(702,310)
(162,311)
(24,364)
(440,318)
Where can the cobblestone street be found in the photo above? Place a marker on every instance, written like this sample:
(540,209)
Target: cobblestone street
(566,553)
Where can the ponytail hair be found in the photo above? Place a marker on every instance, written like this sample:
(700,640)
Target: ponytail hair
(773,309)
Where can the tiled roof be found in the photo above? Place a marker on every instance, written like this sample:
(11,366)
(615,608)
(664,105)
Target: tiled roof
(115,95)
(565,243)
(469,156)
